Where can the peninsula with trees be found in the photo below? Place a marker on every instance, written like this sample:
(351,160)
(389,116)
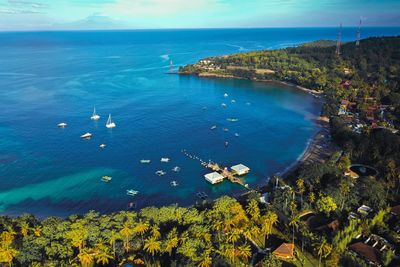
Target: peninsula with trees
(342,210)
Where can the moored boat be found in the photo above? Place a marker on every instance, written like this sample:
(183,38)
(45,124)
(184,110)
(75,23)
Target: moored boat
(131,192)
(86,135)
(145,161)
(95,116)
(62,125)
(110,124)
(165,160)
(176,169)
(106,178)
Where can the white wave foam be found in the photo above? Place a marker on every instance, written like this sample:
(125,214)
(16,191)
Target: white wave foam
(16,74)
(165,57)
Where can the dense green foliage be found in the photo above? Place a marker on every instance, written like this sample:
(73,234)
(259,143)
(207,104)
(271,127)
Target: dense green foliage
(166,236)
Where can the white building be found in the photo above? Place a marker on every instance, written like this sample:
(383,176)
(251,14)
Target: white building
(240,169)
(214,177)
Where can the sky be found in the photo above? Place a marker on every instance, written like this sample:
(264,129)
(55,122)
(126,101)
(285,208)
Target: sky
(155,14)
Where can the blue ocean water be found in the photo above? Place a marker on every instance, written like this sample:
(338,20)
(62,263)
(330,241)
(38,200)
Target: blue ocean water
(52,77)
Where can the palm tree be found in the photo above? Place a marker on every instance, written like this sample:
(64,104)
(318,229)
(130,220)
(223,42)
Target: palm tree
(206,260)
(141,228)
(294,222)
(171,241)
(300,189)
(7,253)
(102,254)
(152,245)
(344,190)
(323,250)
(244,252)
(311,197)
(126,232)
(253,210)
(37,231)
(218,225)
(269,220)
(155,231)
(113,239)
(24,229)
(85,257)
(228,251)
(233,235)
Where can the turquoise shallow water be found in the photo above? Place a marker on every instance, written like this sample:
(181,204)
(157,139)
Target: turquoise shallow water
(47,78)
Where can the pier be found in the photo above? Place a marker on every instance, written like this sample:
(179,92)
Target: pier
(215,167)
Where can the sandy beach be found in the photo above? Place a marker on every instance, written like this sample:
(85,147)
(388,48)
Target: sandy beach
(318,150)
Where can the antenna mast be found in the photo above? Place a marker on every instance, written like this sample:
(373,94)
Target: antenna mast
(358,34)
(339,41)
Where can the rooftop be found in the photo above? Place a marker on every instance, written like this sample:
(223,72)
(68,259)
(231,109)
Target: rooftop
(240,169)
(284,251)
(214,177)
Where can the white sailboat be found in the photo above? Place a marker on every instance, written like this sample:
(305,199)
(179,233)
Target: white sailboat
(110,124)
(95,117)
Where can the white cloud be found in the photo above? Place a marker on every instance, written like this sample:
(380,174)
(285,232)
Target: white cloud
(143,8)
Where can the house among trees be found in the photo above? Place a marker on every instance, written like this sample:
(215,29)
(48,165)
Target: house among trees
(345,83)
(372,250)
(284,251)
(366,252)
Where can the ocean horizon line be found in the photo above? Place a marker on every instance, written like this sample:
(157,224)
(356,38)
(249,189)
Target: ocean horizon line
(191,29)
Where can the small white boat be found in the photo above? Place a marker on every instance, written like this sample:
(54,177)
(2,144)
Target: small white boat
(213,127)
(102,145)
(226,144)
(233,101)
(174,183)
(145,161)
(161,173)
(110,124)
(95,117)
(223,105)
(131,192)
(106,178)
(164,160)
(232,119)
(226,130)
(237,135)
(225,95)
(62,125)
(176,169)
(86,135)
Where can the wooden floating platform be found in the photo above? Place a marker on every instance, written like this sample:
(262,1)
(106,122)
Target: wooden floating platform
(220,173)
